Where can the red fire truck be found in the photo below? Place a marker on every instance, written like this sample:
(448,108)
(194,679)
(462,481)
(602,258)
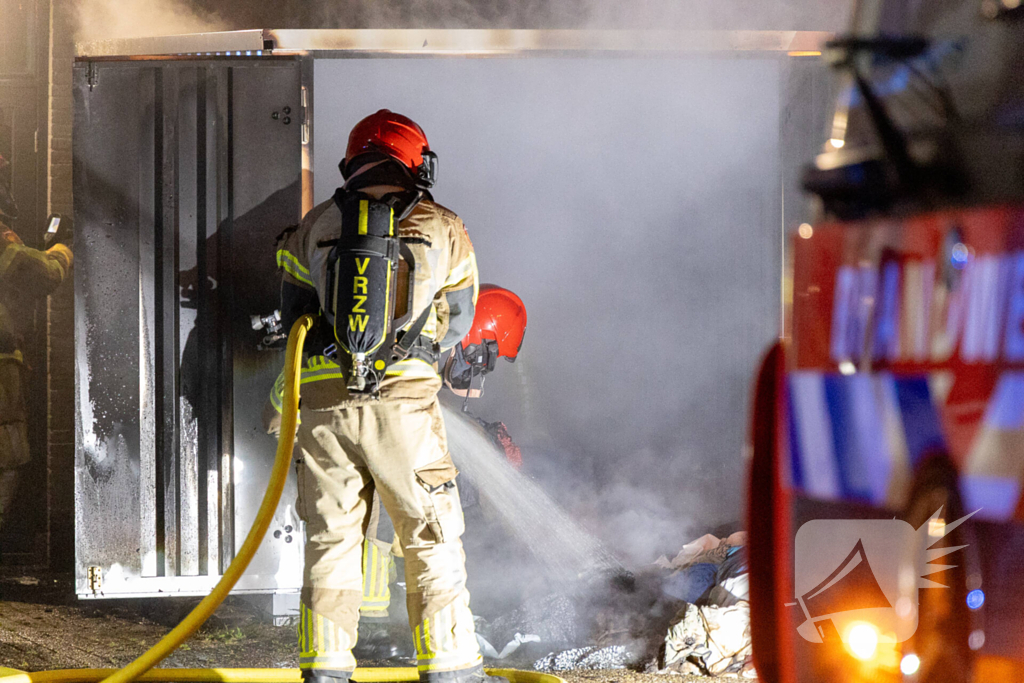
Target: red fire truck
(887,432)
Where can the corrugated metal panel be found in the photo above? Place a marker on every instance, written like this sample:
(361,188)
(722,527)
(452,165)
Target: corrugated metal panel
(175,208)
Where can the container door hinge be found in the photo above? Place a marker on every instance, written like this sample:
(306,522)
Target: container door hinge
(95,579)
(93,75)
(304,115)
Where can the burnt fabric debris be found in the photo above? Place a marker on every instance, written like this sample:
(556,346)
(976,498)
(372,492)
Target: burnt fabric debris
(709,640)
(710,634)
(688,615)
(691,583)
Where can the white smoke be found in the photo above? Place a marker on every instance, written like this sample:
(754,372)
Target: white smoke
(575,14)
(112,19)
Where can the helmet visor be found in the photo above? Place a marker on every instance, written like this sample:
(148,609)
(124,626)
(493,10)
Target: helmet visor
(426,174)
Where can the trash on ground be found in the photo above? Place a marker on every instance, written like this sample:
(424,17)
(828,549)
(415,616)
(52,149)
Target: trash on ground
(612,657)
(710,634)
(709,640)
(488,650)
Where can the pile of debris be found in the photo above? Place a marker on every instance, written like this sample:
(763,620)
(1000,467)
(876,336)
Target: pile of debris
(686,615)
(710,634)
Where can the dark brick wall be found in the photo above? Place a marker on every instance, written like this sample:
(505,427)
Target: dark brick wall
(60,309)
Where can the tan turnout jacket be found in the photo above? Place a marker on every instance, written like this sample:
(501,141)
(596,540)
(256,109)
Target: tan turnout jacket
(445,279)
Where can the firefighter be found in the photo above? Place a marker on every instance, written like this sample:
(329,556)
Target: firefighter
(499,325)
(25,275)
(372,423)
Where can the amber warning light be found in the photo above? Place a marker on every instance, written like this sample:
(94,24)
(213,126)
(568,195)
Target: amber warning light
(847,579)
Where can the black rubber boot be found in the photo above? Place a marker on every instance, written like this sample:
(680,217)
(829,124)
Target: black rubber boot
(474,675)
(325,676)
(379,640)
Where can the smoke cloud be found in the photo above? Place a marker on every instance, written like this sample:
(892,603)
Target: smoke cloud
(633,203)
(111,19)
(108,19)
(597,14)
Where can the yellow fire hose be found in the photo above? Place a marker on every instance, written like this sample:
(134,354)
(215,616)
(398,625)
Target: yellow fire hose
(191,623)
(369,675)
(142,668)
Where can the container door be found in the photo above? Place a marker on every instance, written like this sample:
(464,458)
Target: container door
(184,173)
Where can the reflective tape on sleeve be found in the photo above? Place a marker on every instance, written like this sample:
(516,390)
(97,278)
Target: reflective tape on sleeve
(291,265)
(461,273)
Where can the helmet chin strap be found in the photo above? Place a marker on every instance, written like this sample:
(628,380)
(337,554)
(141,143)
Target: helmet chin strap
(469,391)
(363,168)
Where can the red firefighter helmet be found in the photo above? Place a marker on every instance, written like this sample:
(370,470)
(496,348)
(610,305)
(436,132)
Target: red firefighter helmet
(499,324)
(396,136)
(500,315)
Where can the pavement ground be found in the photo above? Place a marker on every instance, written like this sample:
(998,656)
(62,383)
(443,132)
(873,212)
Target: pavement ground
(43,626)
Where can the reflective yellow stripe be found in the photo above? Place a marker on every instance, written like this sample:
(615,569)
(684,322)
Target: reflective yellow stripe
(384,330)
(309,630)
(277,394)
(385,575)
(375,558)
(449,650)
(291,265)
(318,375)
(320,633)
(411,368)
(318,368)
(303,629)
(16,356)
(367,578)
(284,256)
(426,637)
(462,271)
(367,570)
(364,210)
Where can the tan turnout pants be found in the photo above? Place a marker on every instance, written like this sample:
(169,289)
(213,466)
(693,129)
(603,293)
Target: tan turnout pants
(379,566)
(400,451)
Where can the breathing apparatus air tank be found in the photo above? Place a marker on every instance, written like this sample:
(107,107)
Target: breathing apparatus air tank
(363,282)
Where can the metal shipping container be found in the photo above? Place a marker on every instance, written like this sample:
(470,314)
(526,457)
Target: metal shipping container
(191,154)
